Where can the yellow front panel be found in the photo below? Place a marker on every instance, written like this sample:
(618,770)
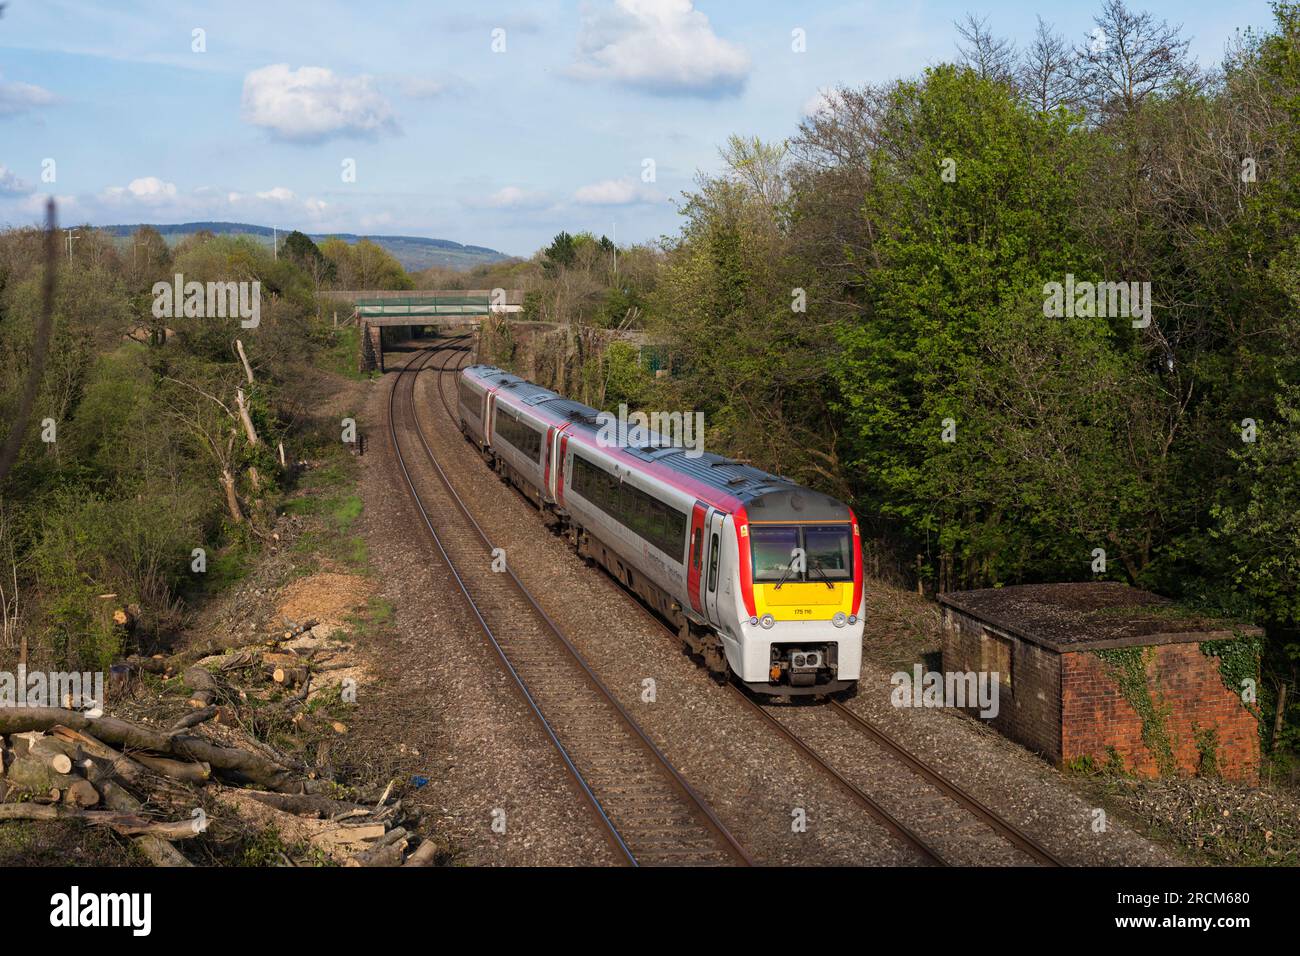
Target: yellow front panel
(803,600)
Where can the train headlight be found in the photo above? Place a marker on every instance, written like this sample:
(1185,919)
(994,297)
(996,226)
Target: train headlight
(839,620)
(753,622)
(767,621)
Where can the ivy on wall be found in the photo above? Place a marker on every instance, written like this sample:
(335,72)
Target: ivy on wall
(1238,662)
(1128,668)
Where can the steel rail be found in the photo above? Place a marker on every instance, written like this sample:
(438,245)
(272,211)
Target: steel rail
(700,807)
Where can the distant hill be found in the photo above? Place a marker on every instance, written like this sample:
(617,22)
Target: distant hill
(413,252)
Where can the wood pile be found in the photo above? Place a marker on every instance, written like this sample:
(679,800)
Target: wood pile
(161,786)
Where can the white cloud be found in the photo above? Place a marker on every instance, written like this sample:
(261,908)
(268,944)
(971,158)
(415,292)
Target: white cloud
(509,197)
(149,190)
(614,192)
(665,47)
(11,184)
(151,199)
(277,194)
(312,103)
(18,97)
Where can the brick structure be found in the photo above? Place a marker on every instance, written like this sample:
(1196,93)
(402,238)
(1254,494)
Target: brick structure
(372,348)
(1109,673)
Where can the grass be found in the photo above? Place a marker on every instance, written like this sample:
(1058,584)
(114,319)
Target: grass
(377,614)
(328,494)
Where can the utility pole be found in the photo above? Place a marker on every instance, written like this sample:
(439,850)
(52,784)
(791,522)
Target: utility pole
(275,243)
(71,236)
(613,227)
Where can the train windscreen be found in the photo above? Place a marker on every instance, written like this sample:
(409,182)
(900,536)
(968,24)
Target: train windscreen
(828,552)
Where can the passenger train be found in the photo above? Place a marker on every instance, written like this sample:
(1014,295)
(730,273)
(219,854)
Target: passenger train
(759,576)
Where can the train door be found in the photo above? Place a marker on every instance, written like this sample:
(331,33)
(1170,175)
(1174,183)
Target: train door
(713,564)
(695,569)
(488,405)
(549,468)
(559,468)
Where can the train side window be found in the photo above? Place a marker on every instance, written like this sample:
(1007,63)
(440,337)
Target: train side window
(713,563)
(697,541)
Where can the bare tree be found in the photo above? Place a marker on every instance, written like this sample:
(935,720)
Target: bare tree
(991,57)
(40,348)
(1128,57)
(1044,75)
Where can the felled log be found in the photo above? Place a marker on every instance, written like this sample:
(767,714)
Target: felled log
(203,686)
(235,760)
(294,628)
(160,664)
(290,676)
(127,824)
(82,793)
(48,751)
(232,660)
(424,854)
(194,718)
(273,659)
(177,769)
(22,743)
(380,856)
(33,775)
(116,763)
(302,804)
(126,617)
(155,849)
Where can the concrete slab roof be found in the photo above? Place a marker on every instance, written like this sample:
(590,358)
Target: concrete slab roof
(1090,616)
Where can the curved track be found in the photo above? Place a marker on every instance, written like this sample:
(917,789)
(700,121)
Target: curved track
(962,801)
(648,811)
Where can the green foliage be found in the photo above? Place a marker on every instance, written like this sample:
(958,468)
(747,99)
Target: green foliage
(365,265)
(1261,528)
(626,381)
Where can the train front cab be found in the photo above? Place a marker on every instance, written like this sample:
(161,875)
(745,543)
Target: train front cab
(785,631)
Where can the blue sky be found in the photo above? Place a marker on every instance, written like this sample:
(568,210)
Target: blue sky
(449,138)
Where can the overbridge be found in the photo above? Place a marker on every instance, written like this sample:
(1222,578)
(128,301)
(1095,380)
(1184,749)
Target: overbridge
(410,311)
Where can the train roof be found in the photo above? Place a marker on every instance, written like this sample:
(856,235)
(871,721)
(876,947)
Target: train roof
(765,496)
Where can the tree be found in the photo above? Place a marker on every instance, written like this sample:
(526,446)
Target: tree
(1044,75)
(1128,58)
(993,58)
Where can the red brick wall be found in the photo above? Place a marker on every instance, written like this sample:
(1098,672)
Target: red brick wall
(1185,685)
(1030,711)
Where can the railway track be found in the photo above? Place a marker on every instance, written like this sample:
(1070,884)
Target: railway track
(647,810)
(987,823)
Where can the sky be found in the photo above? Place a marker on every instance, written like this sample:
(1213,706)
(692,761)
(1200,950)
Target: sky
(493,124)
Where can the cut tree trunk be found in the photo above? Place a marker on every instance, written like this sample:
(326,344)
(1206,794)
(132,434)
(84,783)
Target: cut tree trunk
(246,764)
(241,402)
(243,358)
(52,755)
(303,804)
(127,824)
(32,775)
(184,771)
(424,854)
(81,794)
(232,497)
(203,686)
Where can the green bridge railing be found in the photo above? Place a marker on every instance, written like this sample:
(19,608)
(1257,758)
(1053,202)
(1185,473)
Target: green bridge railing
(424,305)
